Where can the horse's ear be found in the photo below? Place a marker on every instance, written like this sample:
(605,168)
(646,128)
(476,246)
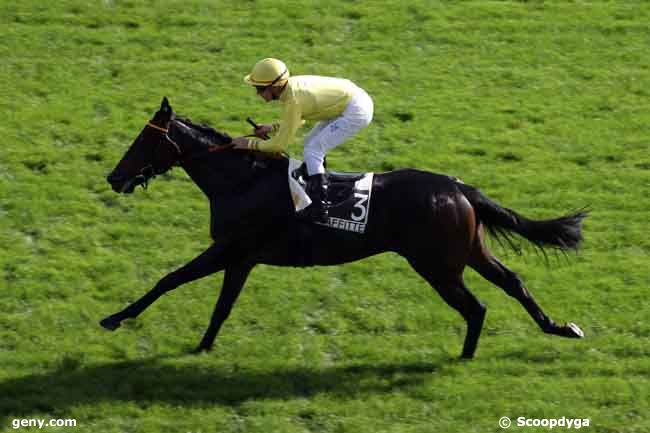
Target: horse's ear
(164,106)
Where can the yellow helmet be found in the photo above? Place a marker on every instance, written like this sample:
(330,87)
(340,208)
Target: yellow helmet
(268,72)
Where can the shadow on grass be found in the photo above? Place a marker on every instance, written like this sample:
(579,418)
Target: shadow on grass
(154,381)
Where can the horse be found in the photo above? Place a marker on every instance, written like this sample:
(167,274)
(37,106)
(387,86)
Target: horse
(436,222)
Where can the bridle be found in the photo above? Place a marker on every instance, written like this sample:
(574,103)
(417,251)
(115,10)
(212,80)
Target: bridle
(148,172)
(165,132)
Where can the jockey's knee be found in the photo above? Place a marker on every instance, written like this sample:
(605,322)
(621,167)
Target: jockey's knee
(314,161)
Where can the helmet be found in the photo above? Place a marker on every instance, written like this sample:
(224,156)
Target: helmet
(268,72)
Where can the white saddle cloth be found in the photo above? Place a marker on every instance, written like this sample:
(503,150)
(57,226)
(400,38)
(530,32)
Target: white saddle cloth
(300,198)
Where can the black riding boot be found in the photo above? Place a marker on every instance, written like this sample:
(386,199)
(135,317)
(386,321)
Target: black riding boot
(317,190)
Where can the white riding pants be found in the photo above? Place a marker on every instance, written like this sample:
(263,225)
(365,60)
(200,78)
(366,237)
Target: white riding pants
(328,134)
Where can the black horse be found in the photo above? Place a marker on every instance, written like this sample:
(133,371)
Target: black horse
(436,222)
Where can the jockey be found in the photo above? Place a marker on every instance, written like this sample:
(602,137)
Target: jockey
(341,108)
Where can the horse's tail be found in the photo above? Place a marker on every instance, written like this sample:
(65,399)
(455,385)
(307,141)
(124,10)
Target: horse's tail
(564,233)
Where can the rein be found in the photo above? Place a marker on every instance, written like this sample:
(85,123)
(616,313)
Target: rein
(181,159)
(149,172)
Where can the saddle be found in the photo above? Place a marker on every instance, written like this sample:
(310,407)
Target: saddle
(348,195)
(332,176)
(340,182)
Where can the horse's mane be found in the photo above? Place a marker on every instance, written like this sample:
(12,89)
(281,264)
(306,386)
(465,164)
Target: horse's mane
(203,133)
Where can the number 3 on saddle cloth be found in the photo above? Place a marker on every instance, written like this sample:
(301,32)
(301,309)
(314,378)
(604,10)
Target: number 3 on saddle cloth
(348,195)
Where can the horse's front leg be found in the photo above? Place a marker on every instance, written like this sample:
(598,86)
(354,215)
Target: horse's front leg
(233,282)
(210,261)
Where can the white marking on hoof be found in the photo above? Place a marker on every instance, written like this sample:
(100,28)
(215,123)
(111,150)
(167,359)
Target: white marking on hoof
(576,330)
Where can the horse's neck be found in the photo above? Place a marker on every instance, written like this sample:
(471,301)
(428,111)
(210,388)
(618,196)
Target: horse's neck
(214,173)
(200,176)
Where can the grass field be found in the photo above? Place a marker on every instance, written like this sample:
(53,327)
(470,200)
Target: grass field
(543,105)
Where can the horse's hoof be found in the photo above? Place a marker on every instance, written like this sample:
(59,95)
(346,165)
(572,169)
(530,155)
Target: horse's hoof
(200,349)
(110,323)
(574,331)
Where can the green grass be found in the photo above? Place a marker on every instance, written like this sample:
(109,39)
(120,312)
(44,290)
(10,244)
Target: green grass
(543,105)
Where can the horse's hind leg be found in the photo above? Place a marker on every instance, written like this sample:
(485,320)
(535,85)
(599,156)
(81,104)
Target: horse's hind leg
(483,262)
(452,289)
